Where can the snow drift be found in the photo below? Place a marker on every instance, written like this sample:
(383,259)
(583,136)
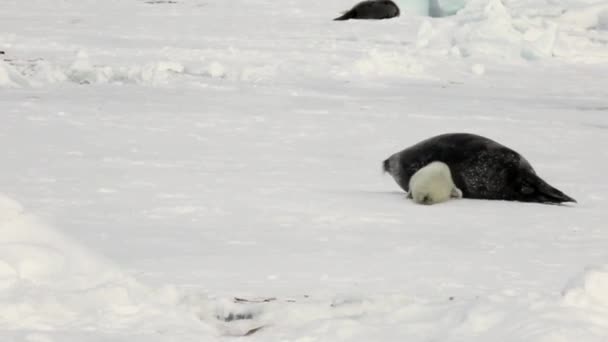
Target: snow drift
(589,290)
(508,30)
(501,30)
(50,282)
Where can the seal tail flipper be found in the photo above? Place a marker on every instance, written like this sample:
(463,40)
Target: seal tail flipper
(347,15)
(534,189)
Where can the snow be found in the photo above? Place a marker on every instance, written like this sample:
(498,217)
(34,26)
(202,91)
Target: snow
(433,8)
(161,159)
(50,282)
(589,289)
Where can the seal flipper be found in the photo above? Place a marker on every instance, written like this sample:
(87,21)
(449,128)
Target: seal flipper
(534,189)
(456,193)
(347,15)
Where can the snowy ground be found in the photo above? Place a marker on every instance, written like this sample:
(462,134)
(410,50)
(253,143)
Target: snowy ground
(161,159)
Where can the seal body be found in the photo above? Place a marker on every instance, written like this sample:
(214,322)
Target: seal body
(480,167)
(372,9)
(433,184)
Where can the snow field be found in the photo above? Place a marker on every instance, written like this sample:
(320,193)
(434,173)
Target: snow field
(211,261)
(540,30)
(49,282)
(192,152)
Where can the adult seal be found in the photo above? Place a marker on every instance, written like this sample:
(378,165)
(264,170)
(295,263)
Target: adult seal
(481,168)
(371,9)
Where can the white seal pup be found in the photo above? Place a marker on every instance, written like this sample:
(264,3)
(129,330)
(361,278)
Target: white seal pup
(481,168)
(433,184)
(372,9)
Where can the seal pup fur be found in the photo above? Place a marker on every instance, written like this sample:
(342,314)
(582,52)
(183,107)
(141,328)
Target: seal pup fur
(433,184)
(372,9)
(481,168)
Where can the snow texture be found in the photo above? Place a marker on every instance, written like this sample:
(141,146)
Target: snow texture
(205,170)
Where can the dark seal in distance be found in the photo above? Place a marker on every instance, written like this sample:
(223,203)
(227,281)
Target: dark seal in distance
(372,9)
(481,168)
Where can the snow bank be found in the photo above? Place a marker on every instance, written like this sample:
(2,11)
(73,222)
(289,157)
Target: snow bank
(35,254)
(495,31)
(505,31)
(508,316)
(589,290)
(588,17)
(10,77)
(49,281)
(83,70)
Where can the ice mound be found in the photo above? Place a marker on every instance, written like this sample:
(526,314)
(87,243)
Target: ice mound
(586,296)
(10,77)
(483,28)
(37,255)
(49,281)
(589,290)
(513,30)
(83,70)
(594,17)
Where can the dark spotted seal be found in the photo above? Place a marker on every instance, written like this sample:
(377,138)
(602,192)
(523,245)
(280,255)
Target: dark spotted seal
(481,168)
(372,9)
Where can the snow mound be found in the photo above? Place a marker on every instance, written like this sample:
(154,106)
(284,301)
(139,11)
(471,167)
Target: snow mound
(83,70)
(592,17)
(508,32)
(589,290)
(35,254)
(49,281)
(489,31)
(10,77)
(395,317)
